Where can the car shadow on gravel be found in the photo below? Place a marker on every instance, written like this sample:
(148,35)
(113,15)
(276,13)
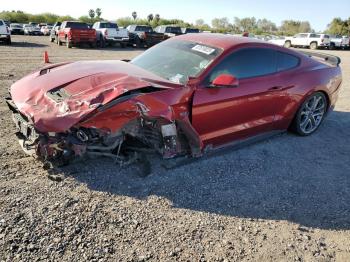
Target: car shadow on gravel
(27,44)
(305,180)
(110,48)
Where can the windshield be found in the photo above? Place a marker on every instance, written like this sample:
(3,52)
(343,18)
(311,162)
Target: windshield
(77,25)
(147,29)
(108,25)
(15,26)
(173,30)
(177,60)
(192,30)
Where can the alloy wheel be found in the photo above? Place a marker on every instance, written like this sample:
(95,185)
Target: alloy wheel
(312,113)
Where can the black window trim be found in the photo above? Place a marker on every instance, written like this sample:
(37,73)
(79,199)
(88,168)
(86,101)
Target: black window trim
(207,74)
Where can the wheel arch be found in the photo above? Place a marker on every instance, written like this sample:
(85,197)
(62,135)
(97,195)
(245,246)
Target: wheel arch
(306,96)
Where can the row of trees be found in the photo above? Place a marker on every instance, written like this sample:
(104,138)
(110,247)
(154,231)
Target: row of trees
(22,17)
(339,27)
(238,25)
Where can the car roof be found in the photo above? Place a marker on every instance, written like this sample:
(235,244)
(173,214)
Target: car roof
(219,40)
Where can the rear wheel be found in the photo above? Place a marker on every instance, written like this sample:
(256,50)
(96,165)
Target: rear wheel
(313,46)
(310,114)
(287,44)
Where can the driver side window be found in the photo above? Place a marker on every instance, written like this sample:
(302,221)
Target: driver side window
(246,63)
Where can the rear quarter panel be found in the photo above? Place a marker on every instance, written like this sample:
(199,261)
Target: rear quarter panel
(311,77)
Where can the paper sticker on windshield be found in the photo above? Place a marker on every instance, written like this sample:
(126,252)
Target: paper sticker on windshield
(176,78)
(203,49)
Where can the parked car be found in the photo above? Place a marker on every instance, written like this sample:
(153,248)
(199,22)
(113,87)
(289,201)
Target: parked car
(7,22)
(339,42)
(186,96)
(143,35)
(346,42)
(188,30)
(33,24)
(168,30)
(311,40)
(278,40)
(32,30)
(54,32)
(46,29)
(75,33)
(16,29)
(5,34)
(41,25)
(110,33)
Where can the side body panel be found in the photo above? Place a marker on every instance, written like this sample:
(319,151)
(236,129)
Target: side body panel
(260,104)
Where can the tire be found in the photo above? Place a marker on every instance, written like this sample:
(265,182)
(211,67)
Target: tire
(287,44)
(313,46)
(138,42)
(52,39)
(93,45)
(102,42)
(122,45)
(331,46)
(8,41)
(310,115)
(68,43)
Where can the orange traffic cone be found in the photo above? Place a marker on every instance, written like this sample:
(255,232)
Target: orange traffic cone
(46,58)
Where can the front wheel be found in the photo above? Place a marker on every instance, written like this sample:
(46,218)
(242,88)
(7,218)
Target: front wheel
(310,114)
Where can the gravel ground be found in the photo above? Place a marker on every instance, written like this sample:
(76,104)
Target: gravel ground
(284,199)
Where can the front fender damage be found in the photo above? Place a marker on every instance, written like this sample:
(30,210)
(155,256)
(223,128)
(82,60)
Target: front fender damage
(126,129)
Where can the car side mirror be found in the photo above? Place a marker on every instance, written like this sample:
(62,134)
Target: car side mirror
(225,80)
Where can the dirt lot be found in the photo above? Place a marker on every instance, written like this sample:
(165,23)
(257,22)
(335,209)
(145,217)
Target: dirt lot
(285,199)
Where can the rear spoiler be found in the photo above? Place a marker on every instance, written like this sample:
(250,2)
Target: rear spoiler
(331,59)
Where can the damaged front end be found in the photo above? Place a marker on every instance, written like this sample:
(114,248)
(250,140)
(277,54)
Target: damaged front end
(124,130)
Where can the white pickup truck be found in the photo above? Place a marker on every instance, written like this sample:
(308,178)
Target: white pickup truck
(311,40)
(109,33)
(5,34)
(339,42)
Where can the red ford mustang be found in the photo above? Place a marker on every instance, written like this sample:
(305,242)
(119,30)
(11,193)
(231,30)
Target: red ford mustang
(185,96)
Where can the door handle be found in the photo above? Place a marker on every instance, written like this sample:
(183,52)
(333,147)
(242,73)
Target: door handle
(275,88)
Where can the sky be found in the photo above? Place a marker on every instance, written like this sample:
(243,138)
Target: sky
(318,13)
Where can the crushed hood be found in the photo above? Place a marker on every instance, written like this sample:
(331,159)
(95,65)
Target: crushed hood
(59,96)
